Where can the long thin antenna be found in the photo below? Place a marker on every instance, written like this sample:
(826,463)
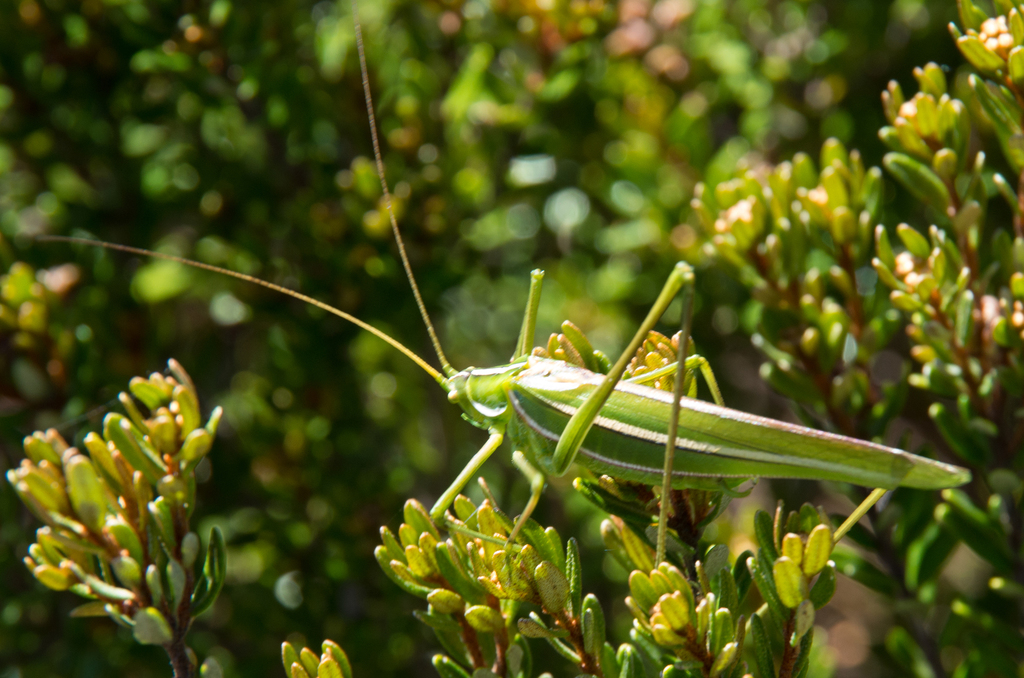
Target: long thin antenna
(445,365)
(438,377)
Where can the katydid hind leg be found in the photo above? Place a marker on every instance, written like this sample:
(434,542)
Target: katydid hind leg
(696,362)
(580,422)
(673,422)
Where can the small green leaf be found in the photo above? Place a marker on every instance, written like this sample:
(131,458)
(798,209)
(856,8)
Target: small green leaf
(804,617)
(196,445)
(920,180)
(151,628)
(485,618)
(310,662)
(416,514)
(629,659)
(764,530)
(54,578)
(574,575)
(328,668)
(289,655)
(762,647)
(211,669)
(447,668)
(214,570)
(534,629)
(593,625)
(725,659)
(552,587)
(334,651)
(824,587)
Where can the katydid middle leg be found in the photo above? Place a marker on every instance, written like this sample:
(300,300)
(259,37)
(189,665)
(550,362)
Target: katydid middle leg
(693,364)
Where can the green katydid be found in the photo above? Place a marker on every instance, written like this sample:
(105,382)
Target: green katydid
(554,414)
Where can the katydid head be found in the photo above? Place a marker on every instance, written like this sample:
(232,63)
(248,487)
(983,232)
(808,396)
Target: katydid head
(482,393)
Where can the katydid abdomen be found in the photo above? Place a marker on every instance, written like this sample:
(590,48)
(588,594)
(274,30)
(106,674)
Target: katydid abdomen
(628,438)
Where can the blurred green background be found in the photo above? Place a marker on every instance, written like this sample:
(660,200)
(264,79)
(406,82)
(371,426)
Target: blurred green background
(560,134)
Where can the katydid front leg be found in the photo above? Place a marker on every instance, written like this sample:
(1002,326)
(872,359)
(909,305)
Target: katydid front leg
(446,499)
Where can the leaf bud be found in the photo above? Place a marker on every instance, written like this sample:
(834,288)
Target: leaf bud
(945,163)
(309,661)
(639,613)
(611,535)
(485,618)
(552,587)
(464,508)
(841,279)
(789,582)
(173,489)
(328,668)
(334,651)
(702,615)
(446,601)
(533,629)
(674,608)
(127,570)
(151,395)
(211,669)
(722,631)
(408,535)
(818,550)
(490,525)
(189,549)
(675,578)
(666,637)
(160,511)
(153,583)
(37,449)
(289,655)
(188,408)
(415,514)
(56,578)
(724,659)
(793,547)
(979,55)
(660,582)
(843,225)
(87,494)
(176,579)
(418,562)
(196,445)
(809,341)
(639,552)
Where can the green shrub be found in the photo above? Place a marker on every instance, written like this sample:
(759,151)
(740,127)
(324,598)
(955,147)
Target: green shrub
(602,141)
